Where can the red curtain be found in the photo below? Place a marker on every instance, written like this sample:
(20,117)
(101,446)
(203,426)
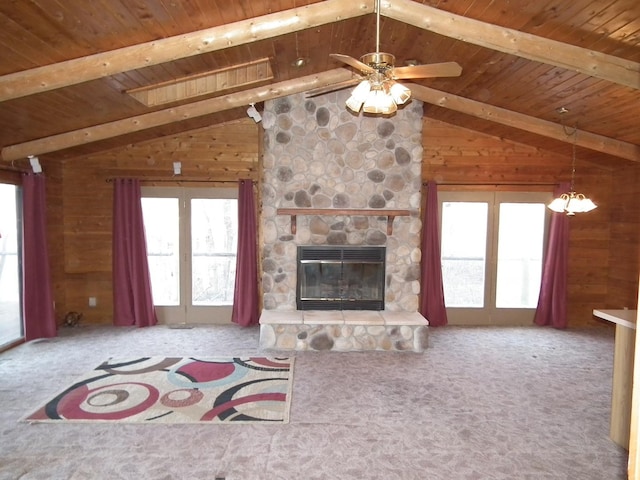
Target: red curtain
(38,311)
(432,302)
(245,300)
(552,302)
(132,299)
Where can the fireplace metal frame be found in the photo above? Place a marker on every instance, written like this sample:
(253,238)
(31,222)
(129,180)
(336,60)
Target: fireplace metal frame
(338,254)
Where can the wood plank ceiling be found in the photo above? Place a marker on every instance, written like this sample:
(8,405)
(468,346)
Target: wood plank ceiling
(519,58)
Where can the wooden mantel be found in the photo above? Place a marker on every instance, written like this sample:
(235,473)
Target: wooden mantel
(390,214)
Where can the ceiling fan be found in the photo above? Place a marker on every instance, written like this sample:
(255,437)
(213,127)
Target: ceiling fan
(378,91)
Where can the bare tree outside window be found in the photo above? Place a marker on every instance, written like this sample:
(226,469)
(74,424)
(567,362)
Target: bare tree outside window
(214,238)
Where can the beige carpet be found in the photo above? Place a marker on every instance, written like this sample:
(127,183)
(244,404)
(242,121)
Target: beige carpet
(480,403)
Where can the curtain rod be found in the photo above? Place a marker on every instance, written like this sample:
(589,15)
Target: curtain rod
(495,184)
(175,180)
(12,168)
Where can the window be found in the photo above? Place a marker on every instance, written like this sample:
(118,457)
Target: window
(10,266)
(162,231)
(192,236)
(214,227)
(492,248)
(520,249)
(463,252)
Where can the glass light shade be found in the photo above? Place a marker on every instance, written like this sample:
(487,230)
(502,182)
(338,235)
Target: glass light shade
(400,93)
(388,106)
(372,103)
(362,90)
(358,96)
(379,102)
(354,104)
(586,204)
(558,204)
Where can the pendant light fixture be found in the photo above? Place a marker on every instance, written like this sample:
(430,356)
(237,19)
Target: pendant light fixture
(572,202)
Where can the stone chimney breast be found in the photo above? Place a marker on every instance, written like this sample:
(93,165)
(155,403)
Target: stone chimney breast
(319,155)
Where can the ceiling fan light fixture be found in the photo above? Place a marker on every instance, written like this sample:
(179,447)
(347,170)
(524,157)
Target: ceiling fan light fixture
(380,74)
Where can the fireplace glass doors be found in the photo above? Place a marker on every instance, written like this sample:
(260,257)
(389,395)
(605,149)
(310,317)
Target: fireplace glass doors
(340,278)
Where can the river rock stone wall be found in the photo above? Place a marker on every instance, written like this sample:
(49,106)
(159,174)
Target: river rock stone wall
(318,154)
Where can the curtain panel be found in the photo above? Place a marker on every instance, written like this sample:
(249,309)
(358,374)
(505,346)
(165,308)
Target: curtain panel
(245,299)
(38,311)
(432,305)
(132,298)
(552,301)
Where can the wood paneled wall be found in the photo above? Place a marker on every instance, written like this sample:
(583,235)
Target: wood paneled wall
(624,248)
(81,234)
(10,176)
(55,234)
(604,259)
(603,269)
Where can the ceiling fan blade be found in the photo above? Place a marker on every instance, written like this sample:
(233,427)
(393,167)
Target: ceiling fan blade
(446,69)
(333,88)
(363,67)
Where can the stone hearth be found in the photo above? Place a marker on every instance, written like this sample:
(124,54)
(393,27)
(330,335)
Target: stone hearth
(343,331)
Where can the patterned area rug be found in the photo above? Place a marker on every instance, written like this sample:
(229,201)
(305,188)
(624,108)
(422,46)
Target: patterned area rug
(177,390)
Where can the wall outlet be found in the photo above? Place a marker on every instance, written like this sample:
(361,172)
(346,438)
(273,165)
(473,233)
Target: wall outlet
(93,301)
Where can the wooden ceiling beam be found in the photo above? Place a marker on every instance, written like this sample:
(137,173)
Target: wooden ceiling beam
(530,124)
(503,116)
(72,72)
(163,117)
(514,42)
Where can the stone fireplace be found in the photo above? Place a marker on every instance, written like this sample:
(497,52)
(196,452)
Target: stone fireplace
(318,155)
(335,179)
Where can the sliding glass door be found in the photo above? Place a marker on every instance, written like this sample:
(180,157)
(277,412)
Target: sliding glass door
(192,236)
(11,323)
(492,246)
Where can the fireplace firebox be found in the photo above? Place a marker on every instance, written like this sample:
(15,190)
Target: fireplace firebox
(340,278)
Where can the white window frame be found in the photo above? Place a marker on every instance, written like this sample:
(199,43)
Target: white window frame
(186,313)
(489,314)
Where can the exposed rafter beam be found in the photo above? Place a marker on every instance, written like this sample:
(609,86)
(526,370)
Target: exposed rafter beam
(72,72)
(532,47)
(503,116)
(535,125)
(170,115)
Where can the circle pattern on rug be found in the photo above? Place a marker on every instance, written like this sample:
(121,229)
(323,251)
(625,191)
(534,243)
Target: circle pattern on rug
(110,402)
